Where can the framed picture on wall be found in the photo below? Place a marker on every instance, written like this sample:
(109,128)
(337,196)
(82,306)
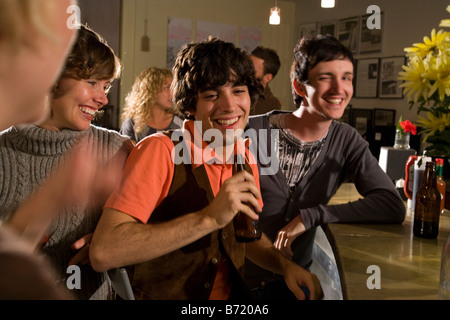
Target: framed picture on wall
(308,29)
(383,117)
(388,86)
(370,39)
(249,38)
(366,78)
(178,34)
(327,27)
(348,33)
(361,120)
(223,31)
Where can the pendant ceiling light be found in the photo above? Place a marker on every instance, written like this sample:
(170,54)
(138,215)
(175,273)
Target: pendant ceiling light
(274,15)
(327,3)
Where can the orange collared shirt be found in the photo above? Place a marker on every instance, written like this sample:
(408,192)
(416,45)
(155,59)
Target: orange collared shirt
(147,178)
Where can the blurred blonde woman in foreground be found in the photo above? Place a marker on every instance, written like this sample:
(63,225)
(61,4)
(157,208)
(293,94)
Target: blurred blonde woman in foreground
(50,169)
(34,41)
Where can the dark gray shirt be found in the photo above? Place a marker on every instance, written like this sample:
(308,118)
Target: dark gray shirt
(345,156)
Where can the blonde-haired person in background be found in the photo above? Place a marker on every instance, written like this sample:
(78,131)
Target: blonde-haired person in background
(148,107)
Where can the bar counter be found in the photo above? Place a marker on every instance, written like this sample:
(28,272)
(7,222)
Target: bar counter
(404,266)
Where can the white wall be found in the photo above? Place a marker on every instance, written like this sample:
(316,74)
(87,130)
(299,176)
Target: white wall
(248,13)
(405,22)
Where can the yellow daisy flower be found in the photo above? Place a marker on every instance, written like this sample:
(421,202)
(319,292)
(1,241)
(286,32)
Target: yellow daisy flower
(438,72)
(438,42)
(416,85)
(427,81)
(433,124)
(445,22)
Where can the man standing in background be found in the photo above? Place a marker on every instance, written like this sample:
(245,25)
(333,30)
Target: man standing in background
(267,64)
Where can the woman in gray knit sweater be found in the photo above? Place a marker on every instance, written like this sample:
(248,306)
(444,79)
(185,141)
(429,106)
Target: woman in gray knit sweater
(30,153)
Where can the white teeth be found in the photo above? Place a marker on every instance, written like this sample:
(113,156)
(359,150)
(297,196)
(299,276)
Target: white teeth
(228,122)
(87,110)
(334,101)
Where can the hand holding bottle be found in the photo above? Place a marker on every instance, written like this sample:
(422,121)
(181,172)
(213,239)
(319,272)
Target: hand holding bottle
(245,228)
(237,194)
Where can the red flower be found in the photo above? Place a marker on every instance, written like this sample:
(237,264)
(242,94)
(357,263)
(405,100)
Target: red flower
(408,127)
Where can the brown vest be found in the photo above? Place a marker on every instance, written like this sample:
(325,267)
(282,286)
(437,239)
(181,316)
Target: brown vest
(189,272)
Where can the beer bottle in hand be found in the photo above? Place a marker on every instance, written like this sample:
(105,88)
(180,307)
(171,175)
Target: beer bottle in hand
(428,201)
(245,228)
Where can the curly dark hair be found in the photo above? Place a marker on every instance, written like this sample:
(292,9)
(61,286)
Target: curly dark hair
(211,63)
(312,50)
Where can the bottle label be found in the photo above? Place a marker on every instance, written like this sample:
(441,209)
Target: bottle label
(411,178)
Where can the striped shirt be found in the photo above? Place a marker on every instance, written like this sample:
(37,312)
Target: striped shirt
(295,156)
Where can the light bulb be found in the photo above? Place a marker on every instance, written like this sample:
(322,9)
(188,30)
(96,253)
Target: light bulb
(274,16)
(327,4)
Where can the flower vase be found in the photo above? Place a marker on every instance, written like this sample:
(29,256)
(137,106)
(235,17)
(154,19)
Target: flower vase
(401,139)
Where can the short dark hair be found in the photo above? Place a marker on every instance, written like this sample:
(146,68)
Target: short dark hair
(271,60)
(210,63)
(91,57)
(314,49)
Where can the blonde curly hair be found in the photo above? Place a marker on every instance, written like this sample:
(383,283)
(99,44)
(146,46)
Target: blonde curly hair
(140,100)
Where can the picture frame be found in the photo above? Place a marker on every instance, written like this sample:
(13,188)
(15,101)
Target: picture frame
(327,27)
(361,120)
(367,73)
(383,117)
(348,33)
(371,40)
(308,29)
(388,86)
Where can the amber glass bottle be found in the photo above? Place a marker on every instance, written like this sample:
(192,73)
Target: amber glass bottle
(428,201)
(245,228)
(441,185)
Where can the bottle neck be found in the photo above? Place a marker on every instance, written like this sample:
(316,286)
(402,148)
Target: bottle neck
(439,170)
(429,178)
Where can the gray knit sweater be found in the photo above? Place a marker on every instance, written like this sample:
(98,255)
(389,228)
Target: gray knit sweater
(28,155)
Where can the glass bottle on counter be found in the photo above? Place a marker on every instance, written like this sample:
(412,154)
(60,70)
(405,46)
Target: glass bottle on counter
(441,185)
(444,280)
(245,228)
(428,201)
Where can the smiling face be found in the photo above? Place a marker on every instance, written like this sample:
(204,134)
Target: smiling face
(225,108)
(76,103)
(213,65)
(329,88)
